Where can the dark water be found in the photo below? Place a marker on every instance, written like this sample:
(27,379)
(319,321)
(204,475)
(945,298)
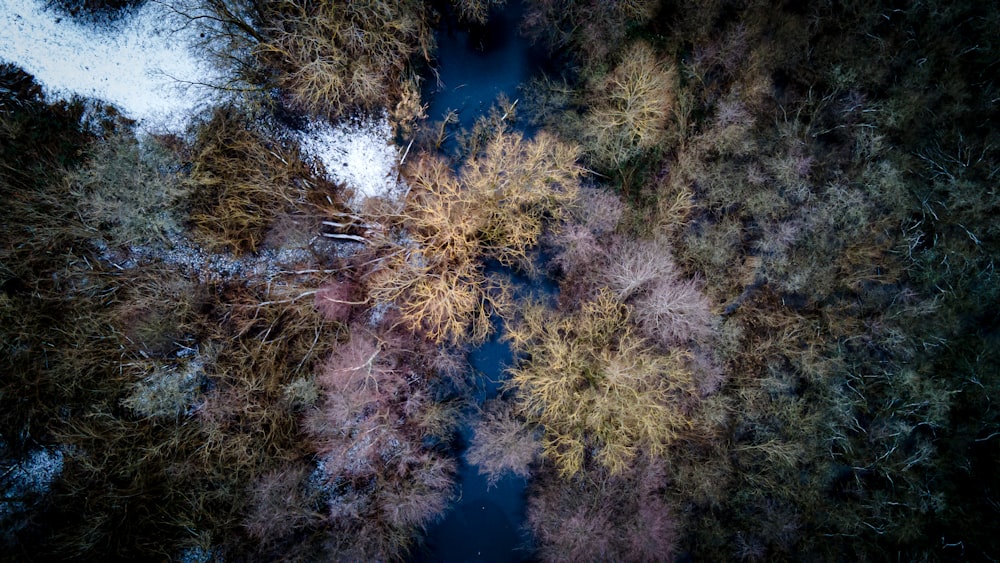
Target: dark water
(475,64)
(486,523)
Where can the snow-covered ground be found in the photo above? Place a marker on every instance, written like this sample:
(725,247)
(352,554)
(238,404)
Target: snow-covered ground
(359,153)
(32,476)
(206,266)
(141,64)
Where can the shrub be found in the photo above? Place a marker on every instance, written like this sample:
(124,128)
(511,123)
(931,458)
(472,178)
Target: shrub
(675,310)
(594,385)
(167,392)
(330,57)
(248,425)
(239,182)
(590,220)
(439,287)
(591,27)
(372,429)
(283,502)
(229,32)
(503,444)
(447,303)
(39,142)
(495,207)
(158,311)
(334,55)
(129,191)
(524,183)
(630,108)
(337,300)
(598,516)
(476,11)
(713,248)
(667,308)
(635,266)
(57,347)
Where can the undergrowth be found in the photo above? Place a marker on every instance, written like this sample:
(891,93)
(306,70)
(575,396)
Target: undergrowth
(775,338)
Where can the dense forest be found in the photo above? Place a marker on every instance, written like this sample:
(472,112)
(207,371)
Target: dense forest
(772,226)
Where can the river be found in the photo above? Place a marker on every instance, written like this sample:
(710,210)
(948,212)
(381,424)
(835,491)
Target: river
(474,67)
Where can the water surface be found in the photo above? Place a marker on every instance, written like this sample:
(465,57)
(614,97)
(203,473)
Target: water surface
(487,523)
(476,64)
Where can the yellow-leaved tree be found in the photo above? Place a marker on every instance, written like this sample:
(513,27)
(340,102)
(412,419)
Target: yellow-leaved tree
(594,385)
(495,207)
(630,108)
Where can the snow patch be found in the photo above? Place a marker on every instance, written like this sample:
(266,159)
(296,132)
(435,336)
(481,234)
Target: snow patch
(206,266)
(30,477)
(358,153)
(170,390)
(142,64)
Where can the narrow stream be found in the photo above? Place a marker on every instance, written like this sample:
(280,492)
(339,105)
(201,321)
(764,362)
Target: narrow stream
(475,64)
(473,68)
(486,523)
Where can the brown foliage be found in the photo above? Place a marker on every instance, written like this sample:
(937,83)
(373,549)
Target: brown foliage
(283,502)
(336,300)
(476,11)
(239,183)
(128,190)
(592,27)
(667,308)
(630,108)
(635,266)
(446,303)
(334,55)
(674,310)
(521,184)
(600,517)
(248,426)
(370,429)
(593,384)
(503,444)
(592,218)
(495,207)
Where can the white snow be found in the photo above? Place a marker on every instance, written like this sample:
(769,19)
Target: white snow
(267,263)
(31,476)
(141,64)
(169,390)
(183,253)
(359,153)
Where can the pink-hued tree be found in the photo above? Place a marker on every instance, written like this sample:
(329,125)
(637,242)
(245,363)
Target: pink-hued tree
(337,300)
(503,444)
(369,431)
(602,517)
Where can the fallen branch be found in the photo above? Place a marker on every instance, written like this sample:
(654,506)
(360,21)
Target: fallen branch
(338,236)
